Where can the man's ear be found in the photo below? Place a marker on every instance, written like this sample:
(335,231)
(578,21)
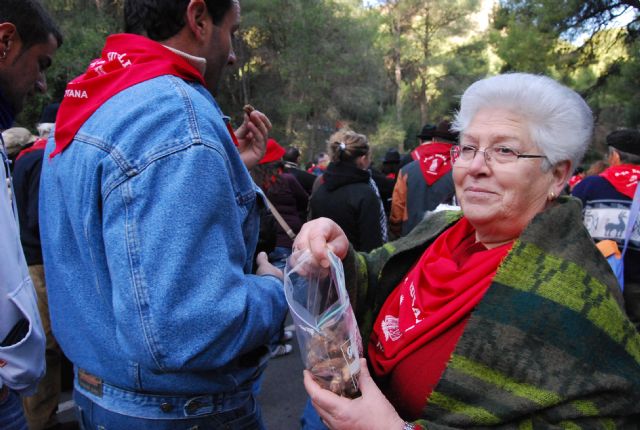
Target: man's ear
(8,33)
(196,18)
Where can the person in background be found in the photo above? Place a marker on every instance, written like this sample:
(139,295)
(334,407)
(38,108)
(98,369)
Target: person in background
(15,140)
(607,198)
(320,164)
(347,194)
(391,163)
(504,315)
(426,182)
(597,167)
(578,175)
(151,226)
(384,178)
(29,39)
(40,409)
(290,159)
(287,196)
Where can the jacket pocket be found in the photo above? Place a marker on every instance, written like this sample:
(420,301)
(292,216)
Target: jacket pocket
(22,363)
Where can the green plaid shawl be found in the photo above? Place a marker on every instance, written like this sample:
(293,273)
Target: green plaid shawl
(549,345)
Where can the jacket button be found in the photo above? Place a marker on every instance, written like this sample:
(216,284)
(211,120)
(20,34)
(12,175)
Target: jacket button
(166,407)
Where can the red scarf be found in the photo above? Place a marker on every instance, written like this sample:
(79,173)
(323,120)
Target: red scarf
(435,160)
(440,291)
(38,144)
(126,60)
(623,177)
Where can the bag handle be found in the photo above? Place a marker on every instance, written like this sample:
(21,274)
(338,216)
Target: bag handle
(281,220)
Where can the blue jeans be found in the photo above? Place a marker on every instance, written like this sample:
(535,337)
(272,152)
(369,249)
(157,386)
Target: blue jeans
(11,416)
(278,257)
(208,412)
(310,420)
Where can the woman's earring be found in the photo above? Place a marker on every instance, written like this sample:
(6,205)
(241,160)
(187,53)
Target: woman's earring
(4,54)
(552,196)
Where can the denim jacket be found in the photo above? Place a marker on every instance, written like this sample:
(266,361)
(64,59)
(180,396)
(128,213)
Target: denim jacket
(149,226)
(21,362)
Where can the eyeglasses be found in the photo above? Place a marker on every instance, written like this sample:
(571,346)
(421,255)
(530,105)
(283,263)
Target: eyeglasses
(501,154)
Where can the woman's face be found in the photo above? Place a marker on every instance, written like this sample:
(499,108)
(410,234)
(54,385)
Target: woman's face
(501,199)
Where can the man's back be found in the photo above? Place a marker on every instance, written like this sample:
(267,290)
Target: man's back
(148,243)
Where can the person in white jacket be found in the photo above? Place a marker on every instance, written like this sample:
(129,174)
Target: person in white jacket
(28,41)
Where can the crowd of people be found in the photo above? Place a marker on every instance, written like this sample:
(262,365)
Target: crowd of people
(144,238)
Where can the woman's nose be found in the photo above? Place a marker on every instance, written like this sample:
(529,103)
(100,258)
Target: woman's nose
(479,163)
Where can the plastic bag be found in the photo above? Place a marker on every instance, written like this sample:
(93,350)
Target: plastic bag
(326,327)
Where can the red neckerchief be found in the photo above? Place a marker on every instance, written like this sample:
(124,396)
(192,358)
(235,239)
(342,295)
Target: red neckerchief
(435,160)
(624,178)
(444,286)
(127,60)
(575,180)
(38,144)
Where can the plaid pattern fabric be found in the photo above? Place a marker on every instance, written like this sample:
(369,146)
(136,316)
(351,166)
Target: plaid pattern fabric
(549,345)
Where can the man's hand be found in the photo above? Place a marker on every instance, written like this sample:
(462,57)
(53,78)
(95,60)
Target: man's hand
(266,268)
(252,137)
(372,411)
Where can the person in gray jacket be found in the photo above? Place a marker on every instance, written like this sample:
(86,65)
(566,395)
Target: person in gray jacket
(28,41)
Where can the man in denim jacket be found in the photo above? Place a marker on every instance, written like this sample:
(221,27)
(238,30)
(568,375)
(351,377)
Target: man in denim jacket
(149,223)
(28,41)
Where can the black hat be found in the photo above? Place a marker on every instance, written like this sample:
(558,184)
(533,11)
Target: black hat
(626,140)
(392,156)
(442,130)
(49,113)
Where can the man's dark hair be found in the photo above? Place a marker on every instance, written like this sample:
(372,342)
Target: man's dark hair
(292,154)
(161,19)
(33,22)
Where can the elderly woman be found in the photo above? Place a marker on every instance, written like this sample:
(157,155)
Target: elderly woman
(504,315)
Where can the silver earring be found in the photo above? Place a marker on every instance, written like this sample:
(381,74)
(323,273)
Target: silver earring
(3,55)
(552,196)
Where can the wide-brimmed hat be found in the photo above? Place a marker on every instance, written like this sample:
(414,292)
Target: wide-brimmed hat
(626,140)
(16,139)
(442,130)
(274,152)
(392,156)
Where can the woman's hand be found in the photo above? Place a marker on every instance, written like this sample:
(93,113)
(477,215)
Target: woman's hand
(319,235)
(266,268)
(372,411)
(252,137)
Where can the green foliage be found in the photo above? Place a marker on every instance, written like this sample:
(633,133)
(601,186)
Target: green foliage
(84,27)
(385,70)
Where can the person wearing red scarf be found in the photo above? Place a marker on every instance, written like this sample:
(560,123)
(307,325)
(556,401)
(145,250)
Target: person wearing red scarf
(425,182)
(503,315)
(151,226)
(606,199)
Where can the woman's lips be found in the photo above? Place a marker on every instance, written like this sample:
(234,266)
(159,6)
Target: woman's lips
(478,194)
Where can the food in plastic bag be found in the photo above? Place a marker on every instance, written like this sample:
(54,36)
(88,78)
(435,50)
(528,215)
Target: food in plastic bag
(326,327)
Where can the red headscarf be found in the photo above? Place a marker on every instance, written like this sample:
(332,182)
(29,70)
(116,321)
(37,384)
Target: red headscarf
(126,60)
